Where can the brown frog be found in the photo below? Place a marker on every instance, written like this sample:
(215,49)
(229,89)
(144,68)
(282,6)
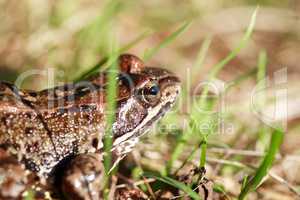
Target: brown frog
(53,138)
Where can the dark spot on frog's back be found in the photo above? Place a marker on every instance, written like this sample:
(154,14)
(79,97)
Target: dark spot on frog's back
(29,130)
(32,147)
(83,90)
(31,165)
(77,109)
(6,120)
(28,115)
(87,108)
(3,121)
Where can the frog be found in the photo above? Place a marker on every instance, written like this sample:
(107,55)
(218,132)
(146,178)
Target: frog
(53,140)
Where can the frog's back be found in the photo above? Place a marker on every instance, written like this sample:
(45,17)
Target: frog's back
(21,131)
(41,137)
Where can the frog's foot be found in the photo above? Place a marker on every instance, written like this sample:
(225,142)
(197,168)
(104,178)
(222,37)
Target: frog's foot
(14,179)
(83,177)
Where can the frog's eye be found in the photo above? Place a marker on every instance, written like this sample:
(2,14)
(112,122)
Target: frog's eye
(151,94)
(153,90)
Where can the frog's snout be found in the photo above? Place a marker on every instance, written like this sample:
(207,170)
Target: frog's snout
(170,88)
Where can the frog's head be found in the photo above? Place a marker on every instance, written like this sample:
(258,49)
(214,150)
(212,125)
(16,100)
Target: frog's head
(145,95)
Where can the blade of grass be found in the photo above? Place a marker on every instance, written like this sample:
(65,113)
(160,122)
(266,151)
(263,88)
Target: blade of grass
(261,77)
(236,50)
(203,153)
(94,35)
(202,53)
(261,172)
(104,60)
(110,108)
(220,189)
(93,39)
(251,73)
(148,54)
(263,134)
(188,159)
(111,96)
(175,184)
(218,67)
(262,63)
(180,144)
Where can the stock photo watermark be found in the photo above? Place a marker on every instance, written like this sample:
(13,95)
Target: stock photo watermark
(268,101)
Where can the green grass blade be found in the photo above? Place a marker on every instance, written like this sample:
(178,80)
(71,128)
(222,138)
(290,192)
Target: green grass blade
(236,50)
(135,41)
(188,159)
(110,118)
(175,183)
(179,147)
(263,135)
(219,66)
(202,53)
(261,172)
(110,109)
(261,76)
(166,41)
(249,74)
(203,153)
(262,63)
(110,115)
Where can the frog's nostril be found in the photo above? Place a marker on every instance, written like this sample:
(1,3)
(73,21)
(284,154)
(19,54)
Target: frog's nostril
(95,142)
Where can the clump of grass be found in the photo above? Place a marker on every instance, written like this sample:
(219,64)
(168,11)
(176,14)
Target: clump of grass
(250,184)
(197,119)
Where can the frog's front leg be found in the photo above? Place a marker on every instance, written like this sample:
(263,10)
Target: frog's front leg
(14,179)
(83,177)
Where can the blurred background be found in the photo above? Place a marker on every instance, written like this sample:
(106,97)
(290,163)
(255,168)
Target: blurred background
(68,37)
